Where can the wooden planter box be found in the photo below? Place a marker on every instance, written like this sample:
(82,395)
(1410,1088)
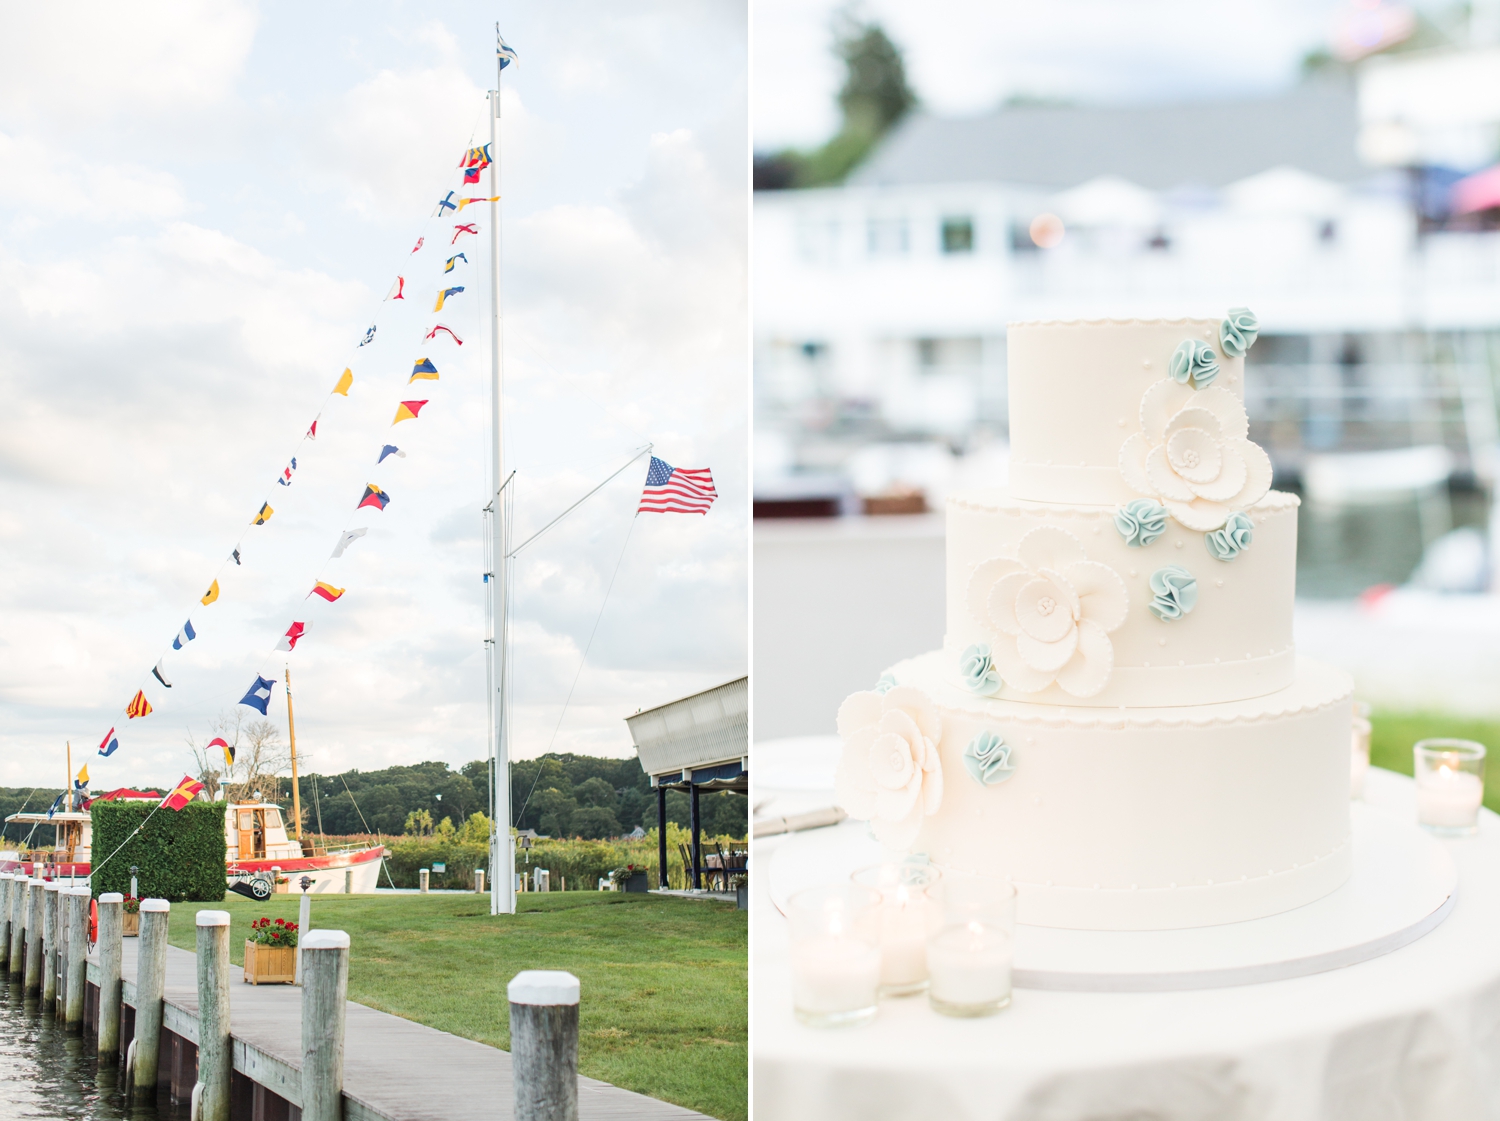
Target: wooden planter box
(130,924)
(270,965)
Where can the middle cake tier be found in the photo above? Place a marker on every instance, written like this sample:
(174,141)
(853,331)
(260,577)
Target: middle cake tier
(1080,605)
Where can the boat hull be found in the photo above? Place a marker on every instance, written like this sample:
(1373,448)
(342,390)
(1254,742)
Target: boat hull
(327,872)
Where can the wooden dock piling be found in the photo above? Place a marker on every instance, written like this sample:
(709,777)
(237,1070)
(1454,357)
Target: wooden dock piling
(49,944)
(111,951)
(35,891)
(5,884)
(544,1044)
(325,989)
(150,988)
(215,1056)
(18,904)
(422,880)
(78,948)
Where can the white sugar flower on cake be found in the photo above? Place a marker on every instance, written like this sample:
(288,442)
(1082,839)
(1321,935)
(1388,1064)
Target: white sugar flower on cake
(1192,455)
(1050,611)
(889,773)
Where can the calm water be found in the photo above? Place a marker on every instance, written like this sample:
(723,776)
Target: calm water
(47,1073)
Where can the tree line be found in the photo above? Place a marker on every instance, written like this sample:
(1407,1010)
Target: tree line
(557,795)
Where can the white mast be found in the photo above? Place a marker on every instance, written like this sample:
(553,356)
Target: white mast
(502,850)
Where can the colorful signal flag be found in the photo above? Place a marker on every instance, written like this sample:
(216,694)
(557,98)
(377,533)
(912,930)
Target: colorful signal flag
(109,744)
(184,636)
(258,696)
(398,290)
(375,497)
(138,706)
(445,293)
(184,792)
(408,410)
(226,747)
(456,257)
(210,595)
(452,334)
(466,228)
(346,379)
(293,633)
(264,515)
(157,673)
(390,449)
(326,591)
(349,537)
(423,370)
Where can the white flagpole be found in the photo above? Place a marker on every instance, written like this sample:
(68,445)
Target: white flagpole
(502,849)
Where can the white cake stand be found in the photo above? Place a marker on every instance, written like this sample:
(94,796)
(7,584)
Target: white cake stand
(1404,884)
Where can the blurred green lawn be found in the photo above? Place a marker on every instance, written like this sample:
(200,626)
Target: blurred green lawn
(1394,733)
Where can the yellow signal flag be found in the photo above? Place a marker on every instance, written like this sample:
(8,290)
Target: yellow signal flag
(83,776)
(138,706)
(212,593)
(345,381)
(265,514)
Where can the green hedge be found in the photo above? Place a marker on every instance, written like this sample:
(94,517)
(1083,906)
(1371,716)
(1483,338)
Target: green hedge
(405,856)
(581,863)
(180,853)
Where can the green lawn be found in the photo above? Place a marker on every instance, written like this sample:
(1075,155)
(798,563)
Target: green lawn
(664,1008)
(1394,733)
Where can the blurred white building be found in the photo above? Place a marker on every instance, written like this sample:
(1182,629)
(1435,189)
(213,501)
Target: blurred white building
(880,307)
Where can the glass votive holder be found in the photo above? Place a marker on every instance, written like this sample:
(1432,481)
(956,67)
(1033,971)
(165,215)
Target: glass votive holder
(902,922)
(835,954)
(970,945)
(1450,786)
(1359,757)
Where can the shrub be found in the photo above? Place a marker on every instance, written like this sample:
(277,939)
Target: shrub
(180,853)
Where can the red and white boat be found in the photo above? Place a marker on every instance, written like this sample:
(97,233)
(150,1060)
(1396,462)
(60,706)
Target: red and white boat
(258,848)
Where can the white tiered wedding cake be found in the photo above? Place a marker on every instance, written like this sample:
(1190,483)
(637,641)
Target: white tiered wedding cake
(1117,720)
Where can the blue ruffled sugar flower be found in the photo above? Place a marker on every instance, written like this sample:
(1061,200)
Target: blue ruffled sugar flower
(1194,362)
(1233,539)
(885,684)
(1238,332)
(1141,522)
(1174,592)
(978,671)
(987,759)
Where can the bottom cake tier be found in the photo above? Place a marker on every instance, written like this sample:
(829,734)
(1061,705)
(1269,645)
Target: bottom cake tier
(1146,818)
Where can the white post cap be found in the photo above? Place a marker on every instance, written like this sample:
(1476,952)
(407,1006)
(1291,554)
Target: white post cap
(543,986)
(155,905)
(51,885)
(111,897)
(213,918)
(36,881)
(78,890)
(324,940)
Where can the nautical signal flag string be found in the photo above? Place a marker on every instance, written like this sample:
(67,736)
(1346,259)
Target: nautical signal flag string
(475,161)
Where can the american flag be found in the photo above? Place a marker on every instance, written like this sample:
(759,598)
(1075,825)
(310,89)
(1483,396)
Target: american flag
(677,490)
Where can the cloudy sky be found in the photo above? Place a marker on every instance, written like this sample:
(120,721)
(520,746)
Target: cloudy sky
(965,57)
(201,208)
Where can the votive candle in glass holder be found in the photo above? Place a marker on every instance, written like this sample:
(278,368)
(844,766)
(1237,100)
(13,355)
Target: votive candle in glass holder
(970,945)
(835,954)
(1450,786)
(903,923)
(1359,758)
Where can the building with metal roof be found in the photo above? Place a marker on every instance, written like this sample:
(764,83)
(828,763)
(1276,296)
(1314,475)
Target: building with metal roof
(694,744)
(1312,127)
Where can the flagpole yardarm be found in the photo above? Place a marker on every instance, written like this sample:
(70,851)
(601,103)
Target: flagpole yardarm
(579,503)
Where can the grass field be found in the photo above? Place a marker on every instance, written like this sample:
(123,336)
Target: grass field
(664,1005)
(1394,733)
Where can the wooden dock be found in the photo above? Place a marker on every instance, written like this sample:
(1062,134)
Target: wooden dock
(394,1069)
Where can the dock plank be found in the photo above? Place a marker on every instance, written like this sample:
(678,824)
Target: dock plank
(393,1068)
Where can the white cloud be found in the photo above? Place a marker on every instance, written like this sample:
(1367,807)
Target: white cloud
(161,359)
(93,61)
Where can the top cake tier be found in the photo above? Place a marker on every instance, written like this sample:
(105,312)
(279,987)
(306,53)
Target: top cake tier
(1079,392)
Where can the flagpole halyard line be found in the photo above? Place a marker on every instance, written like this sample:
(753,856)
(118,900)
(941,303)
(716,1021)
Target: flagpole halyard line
(579,503)
(581,662)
